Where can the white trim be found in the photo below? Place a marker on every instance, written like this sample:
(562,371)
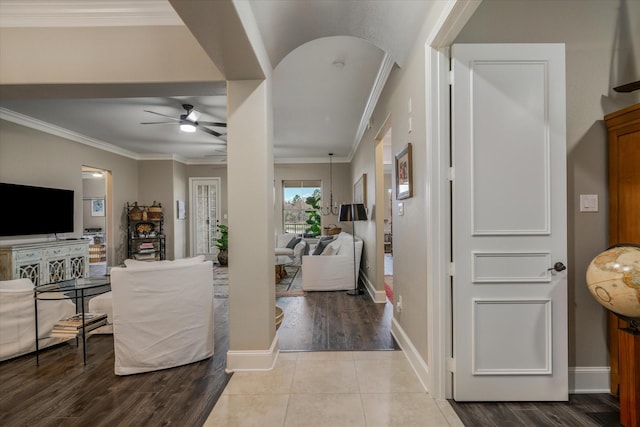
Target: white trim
(253,360)
(32,123)
(589,379)
(386,65)
(439,326)
(112,13)
(377,296)
(415,360)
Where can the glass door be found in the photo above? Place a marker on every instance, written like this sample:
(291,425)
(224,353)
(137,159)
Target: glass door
(204,208)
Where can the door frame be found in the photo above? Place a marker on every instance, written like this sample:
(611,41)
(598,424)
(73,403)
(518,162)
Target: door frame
(437,160)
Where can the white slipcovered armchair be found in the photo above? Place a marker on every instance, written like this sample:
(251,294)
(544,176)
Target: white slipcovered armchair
(291,245)
(17,317)
(332,268)
(162,314)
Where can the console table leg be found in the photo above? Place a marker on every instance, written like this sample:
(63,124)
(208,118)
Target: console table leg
(35,302)
(84,335)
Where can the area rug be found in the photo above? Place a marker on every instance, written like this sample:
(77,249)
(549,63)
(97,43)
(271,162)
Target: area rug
(288,286)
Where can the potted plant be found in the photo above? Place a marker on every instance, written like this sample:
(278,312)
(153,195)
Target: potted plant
(222,243)
(314,219)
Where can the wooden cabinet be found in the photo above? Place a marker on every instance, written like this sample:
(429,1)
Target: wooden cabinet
(624,227)
(45,262)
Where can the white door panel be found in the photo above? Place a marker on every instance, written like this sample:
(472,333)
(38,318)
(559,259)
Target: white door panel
(509,222)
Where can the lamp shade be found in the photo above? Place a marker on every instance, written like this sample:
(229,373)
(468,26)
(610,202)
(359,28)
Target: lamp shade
(352,212)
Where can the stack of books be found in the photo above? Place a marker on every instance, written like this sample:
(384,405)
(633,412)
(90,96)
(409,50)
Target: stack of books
(146,248)
(146,252)
(69,327)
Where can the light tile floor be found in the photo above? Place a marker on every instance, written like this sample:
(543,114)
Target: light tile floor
(333,389)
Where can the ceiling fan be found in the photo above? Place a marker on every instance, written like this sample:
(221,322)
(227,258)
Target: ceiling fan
(189,121)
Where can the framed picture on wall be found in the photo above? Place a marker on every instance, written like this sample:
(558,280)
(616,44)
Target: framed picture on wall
(404,180)
(181,210)
(360,190)
(97,207)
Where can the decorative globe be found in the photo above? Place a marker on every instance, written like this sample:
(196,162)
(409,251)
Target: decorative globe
(613,278)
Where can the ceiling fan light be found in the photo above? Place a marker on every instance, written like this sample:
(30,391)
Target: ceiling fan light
(187,127)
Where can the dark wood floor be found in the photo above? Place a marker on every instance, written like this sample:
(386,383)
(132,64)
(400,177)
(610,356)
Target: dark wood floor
(576,412)
(322,321)
(64,392)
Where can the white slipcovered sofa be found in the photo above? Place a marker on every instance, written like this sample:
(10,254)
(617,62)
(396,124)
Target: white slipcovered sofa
(162,313)
(17,317)
(332,269)
(291,245)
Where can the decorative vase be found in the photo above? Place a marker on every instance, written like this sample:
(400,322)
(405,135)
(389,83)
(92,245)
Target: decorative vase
(223,257)
(135,213)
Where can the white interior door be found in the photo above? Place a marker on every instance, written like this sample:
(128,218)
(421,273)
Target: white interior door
(509,222)
(204,215)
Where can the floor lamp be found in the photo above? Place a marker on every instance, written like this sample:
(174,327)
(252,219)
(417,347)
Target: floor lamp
(351,213)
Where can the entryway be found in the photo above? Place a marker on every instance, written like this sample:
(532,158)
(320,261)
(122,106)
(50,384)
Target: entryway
(95,218)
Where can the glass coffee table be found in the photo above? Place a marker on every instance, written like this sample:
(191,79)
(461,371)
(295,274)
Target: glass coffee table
(281,262)
(75,289)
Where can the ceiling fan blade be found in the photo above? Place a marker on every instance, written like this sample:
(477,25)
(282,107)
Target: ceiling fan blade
(163,115)
(158,123)
(209,131)
(218,124)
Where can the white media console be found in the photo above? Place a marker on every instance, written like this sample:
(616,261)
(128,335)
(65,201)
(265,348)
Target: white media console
(45,262)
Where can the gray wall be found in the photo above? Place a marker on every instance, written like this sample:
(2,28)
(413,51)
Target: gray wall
(602,40)
(31,157)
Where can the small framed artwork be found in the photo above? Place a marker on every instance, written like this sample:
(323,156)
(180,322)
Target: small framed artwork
(404,180)
(181,210)
(97,207)
(360,190)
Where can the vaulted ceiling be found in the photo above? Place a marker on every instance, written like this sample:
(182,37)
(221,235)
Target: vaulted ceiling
(330,58)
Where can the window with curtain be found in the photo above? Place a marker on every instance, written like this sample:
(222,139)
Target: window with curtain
(300,201)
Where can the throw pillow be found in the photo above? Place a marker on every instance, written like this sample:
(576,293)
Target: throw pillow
(327,251)
(293,242)
(334,245)
(320,247)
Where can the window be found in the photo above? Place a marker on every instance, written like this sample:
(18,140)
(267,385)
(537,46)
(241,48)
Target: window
(300,202)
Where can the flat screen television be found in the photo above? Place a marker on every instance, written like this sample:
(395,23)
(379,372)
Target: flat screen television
(28,210)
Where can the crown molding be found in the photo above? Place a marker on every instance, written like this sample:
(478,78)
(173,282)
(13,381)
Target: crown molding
(32,123)
(105,13)
(386,65)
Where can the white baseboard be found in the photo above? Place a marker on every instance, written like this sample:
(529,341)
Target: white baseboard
(415,359)
(379,297)
(589,379)
(253,360)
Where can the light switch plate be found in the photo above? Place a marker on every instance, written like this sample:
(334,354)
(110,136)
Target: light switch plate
(400,209)
(588,203)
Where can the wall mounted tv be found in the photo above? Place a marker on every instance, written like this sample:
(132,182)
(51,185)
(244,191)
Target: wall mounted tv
(28,210)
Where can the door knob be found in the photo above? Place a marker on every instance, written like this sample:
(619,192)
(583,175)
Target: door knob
(558,266)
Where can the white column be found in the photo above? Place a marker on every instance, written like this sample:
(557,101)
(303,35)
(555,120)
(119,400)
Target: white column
(253,341)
